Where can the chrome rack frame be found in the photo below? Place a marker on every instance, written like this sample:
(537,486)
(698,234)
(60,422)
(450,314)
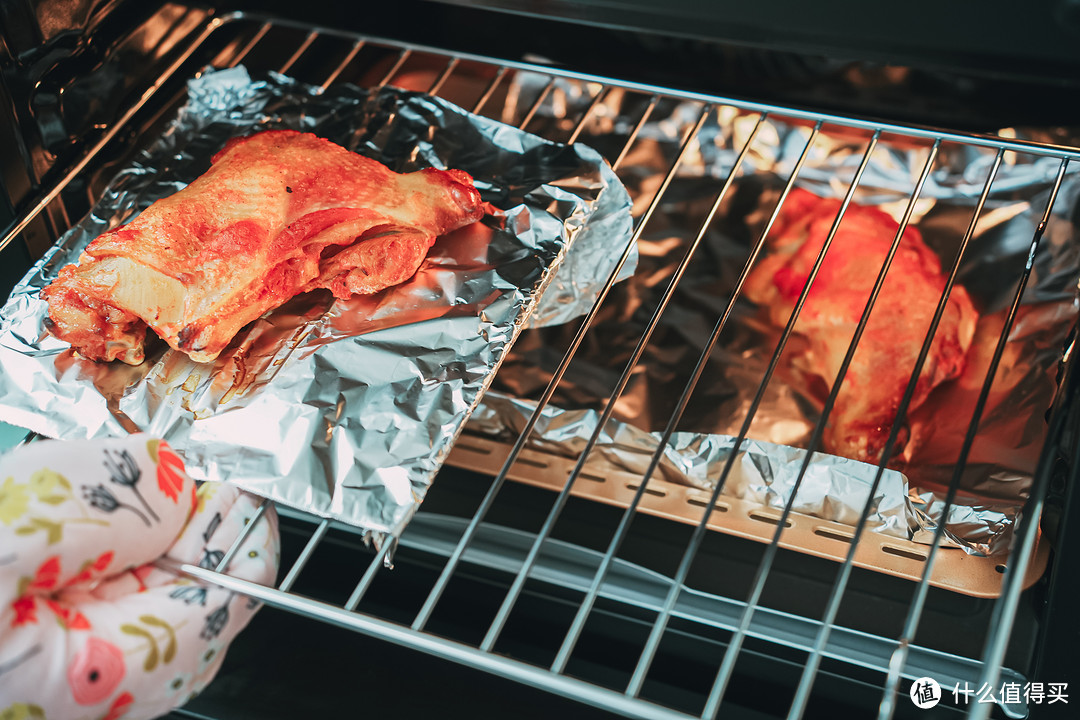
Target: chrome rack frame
(595,574)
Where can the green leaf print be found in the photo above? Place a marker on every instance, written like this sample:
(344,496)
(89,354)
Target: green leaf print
(154,651)
(14,499)
(153,654)
(151,448)
(170,647)
(22,711)
(170,651)
(53,530)
(44,481)
(133,630)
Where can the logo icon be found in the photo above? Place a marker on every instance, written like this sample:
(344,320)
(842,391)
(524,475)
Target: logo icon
(925,693)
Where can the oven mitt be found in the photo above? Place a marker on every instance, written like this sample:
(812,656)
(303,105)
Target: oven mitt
(89,628)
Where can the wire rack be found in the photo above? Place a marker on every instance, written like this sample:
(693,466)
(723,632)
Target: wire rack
(599,575)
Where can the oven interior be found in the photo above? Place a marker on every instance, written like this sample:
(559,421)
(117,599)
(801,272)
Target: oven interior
(85,85)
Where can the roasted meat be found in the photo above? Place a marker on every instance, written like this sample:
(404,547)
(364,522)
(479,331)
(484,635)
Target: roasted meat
(278,213)
(868,400)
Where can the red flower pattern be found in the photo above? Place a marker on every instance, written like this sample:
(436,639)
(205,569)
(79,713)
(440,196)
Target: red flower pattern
(45,579)
(170,472)
(44,583)
(119,706)
(141,573)
(92,568)
(25,611)
(69,618)
(96,671)
(47,575)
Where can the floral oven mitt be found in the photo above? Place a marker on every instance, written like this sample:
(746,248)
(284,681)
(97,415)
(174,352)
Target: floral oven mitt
(89,628)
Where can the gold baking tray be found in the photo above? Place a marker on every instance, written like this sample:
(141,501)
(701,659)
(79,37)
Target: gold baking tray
(953,568)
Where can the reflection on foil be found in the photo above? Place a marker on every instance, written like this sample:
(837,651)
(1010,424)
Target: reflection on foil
(979,526)
(833,488)
(344,409)
(995,480)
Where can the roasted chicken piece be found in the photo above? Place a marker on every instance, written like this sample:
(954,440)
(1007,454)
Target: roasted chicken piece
(278,213)
(868,400)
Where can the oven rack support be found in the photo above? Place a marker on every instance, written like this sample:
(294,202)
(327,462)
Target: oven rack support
(233,39)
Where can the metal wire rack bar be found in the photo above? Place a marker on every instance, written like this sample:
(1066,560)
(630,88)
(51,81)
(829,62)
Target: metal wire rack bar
(537,103)
(353,52)
(886,127)
(251,44)
(727,667)
(598,98)
(1005,611)
(911,623)
(260,511)
(373,568)
(402,57)
(628,702)
(107,137)
(653,644)
(499,75)
(440,647)
(489,499)
(609,406)
(443,76)
(806,680)
(305,555)
(578,624)
(298,53)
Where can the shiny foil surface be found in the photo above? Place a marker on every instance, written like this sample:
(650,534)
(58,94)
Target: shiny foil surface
(834,488)
(345,409)
(996,476)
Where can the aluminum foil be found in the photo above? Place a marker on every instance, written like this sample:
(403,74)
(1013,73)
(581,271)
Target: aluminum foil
(997,475)
(345,409)
(834,488)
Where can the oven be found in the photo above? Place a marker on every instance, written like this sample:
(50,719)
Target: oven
(533,581)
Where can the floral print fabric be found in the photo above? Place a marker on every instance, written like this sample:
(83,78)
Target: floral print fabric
(90,628)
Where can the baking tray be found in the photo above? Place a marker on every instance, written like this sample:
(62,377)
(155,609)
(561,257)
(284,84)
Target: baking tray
(954,569)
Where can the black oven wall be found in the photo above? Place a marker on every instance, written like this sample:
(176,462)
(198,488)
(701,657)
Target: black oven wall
(60,86)
(60,81)
(928,63)
(970,73)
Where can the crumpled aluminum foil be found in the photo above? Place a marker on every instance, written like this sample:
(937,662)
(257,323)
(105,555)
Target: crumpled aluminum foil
(345,409)
(834,488)
(997,476)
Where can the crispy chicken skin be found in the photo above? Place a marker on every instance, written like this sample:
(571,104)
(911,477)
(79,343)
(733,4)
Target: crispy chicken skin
(278,213)
(868,400)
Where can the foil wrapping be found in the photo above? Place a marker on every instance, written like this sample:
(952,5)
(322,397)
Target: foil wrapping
(345,409)
(834,488)
(996,477)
